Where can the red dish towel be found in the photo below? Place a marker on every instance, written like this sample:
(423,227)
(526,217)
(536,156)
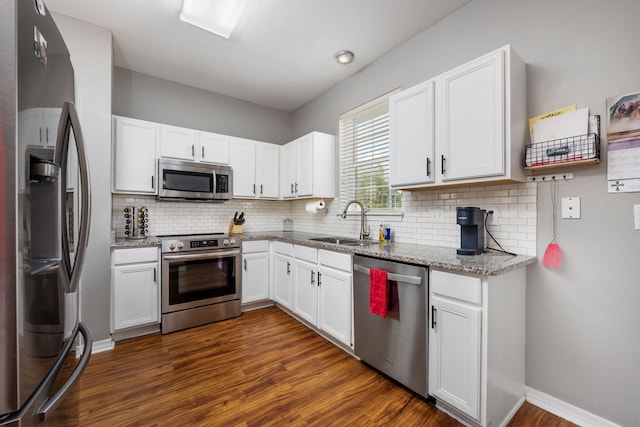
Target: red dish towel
(378,292)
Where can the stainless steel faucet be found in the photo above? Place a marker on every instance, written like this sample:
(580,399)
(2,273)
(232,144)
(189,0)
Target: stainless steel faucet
(363,233)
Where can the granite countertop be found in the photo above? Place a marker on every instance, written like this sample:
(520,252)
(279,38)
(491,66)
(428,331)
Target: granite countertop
(123,242)
(490,263)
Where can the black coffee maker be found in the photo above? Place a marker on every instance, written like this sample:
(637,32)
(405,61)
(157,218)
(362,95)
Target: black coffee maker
(471,222)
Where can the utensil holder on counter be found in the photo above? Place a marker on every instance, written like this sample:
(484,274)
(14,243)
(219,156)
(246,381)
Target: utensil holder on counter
(235,229)
(136,222)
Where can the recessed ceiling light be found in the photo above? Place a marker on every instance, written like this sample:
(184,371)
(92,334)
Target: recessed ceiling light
(219,17)
(345,57)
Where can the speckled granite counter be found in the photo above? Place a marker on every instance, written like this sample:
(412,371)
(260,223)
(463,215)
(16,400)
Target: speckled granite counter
(490,263)
(121,242)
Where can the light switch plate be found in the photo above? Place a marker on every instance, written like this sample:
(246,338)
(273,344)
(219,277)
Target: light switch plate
(636,216)
(571,207)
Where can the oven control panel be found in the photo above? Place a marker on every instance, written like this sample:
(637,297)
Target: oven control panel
(184,243)
(196,244)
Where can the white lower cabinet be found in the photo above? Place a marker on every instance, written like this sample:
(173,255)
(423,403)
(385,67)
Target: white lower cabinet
(476,345)
(255,271)
(282,273)
(322,291)
(135,288)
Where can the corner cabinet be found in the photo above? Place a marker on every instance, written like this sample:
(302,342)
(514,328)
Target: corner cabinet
(477,345)
(307,167)
(474,134)
(135,289)
(134,156)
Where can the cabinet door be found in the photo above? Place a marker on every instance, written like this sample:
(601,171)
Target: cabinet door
(267,170)
(472,119)
(288,171)
(305,294)
(213,148)
(334,303)
(282,279)
(178,143)
(412,135)
(255,277)
(135,295)
(243,161)
(304,166)
(135,156)
(51,122)
(454,354)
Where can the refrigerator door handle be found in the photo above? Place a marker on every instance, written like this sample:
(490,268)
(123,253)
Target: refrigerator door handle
(69,120)
(51,403)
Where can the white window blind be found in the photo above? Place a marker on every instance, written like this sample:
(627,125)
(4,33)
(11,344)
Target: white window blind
(364,157)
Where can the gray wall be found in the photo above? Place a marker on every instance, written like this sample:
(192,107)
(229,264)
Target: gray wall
(583,321)
(149,98)
(90,48)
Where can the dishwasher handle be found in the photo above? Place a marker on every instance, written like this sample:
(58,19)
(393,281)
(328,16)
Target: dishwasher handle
(401,278)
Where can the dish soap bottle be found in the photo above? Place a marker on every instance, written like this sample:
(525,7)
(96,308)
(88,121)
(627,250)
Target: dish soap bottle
(381,235)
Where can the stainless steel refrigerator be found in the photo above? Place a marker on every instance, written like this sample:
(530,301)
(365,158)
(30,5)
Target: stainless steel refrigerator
(44,217)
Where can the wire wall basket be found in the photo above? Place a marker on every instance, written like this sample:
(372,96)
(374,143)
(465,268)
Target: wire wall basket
(575,150)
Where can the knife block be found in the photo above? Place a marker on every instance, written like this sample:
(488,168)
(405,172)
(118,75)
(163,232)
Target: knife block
(234,229)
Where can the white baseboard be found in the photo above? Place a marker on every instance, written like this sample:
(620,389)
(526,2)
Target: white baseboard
(97,347)
(566,410)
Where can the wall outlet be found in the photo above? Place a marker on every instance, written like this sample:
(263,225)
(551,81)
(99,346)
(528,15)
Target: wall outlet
(492,219)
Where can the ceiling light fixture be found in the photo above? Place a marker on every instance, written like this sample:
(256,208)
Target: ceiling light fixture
(219,17)
(345,57)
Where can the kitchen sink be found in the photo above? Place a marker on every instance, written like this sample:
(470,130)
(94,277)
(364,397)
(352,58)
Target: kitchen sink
(345,241)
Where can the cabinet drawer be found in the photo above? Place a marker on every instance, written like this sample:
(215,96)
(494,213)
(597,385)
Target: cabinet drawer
(283,248)
(137,255)
(306,253)
(335,260)
(464,288)
(255,246)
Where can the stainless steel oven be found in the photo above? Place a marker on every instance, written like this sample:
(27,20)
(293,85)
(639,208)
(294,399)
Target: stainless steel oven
(201,280)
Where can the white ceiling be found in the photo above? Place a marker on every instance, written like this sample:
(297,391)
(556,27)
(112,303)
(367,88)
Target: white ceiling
(281,54)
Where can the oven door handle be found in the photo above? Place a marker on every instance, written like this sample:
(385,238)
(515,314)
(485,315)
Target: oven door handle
(209,255)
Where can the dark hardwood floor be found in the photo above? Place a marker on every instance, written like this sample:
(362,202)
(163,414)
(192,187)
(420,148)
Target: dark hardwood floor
(261,369)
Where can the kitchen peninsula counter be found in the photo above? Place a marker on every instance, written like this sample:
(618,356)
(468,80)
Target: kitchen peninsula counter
(490,263)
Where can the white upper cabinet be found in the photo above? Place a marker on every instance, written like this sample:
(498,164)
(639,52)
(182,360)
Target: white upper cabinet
(189,144)
(255,168)
(479,122)
(176,142)
(134,156)
(308,167)
(412,127)
(213,148)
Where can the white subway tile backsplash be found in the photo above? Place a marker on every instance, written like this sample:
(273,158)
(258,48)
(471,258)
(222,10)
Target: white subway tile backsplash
(429,216)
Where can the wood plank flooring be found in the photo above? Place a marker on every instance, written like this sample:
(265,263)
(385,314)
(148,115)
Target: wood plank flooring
(261,369)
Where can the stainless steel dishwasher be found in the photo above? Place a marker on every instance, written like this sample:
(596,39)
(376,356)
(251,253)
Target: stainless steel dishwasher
(398,344)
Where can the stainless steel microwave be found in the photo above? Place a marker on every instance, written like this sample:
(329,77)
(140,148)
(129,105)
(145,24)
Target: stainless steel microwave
(185,180)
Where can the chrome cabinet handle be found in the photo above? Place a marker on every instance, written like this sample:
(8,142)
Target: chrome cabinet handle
(313,277)
(292,188)
(260,189)
(153,184)
(203,152)
(254,189)
(154,275)
(442,163)
(244,263)
(288,267)
(428,166)
(193,150)
(319,278)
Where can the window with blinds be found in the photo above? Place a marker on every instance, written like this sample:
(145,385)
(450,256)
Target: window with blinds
(364,157)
